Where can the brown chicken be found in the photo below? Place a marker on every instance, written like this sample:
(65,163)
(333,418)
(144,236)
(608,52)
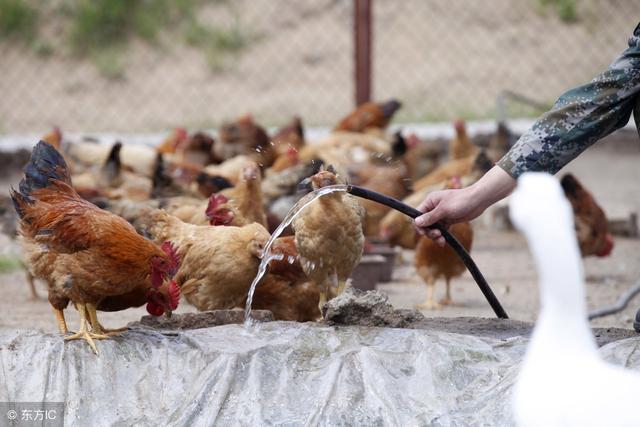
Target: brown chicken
(173,141)
(421,157)
(389,180)
(473,165)
(240,205)
(244,136)
(197,150)
(461,146)
(500,142)
(592,228)
(433,262)
(217,264)
(289,136)
(328,235)
(369,115)
(84,253)
(284,161)
(286,291)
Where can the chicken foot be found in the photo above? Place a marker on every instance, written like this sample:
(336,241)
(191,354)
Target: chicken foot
(84,332)
(97,327)
(429,303)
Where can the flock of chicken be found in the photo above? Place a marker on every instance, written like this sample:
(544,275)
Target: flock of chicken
(109,228)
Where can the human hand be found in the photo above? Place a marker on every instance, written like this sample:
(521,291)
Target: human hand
(452,206)
(447,207)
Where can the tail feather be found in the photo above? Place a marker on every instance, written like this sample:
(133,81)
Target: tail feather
(112,166)
(45,164)
(390,107)
(160,177)
(19,201)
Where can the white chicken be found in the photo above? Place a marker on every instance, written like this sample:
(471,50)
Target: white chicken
(563,380)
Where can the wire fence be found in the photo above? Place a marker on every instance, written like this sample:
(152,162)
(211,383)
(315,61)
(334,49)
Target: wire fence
(159,64)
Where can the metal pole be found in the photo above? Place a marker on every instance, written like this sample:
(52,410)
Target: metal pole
(362,44)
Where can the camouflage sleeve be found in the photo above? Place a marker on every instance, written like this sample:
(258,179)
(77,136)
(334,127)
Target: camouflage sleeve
(580,117)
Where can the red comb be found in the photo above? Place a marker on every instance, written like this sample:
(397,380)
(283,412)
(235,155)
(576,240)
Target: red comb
(174,294)
(214,202)
(174,260)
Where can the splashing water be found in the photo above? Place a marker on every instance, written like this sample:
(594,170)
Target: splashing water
(267,256)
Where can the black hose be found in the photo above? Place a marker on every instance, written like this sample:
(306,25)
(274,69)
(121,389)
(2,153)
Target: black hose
(450,239)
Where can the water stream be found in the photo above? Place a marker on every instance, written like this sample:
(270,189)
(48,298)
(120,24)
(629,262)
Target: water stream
(267,256)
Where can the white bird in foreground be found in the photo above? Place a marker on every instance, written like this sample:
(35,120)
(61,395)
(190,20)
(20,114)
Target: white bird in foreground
(563,381)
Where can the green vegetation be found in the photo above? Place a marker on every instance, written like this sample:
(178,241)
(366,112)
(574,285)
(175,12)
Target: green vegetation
(217,44)
(17,20)
(9,263)
(100,30)
(565,9)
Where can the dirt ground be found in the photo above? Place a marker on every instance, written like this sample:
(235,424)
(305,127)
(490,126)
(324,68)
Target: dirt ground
(611,170)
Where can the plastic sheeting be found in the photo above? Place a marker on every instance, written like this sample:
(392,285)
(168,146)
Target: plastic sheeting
(276,373)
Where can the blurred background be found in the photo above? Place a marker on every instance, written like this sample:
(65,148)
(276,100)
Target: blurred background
(151,65)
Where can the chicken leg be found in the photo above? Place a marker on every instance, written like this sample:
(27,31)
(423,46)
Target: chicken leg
(447,297)
(323,297)
(97,327)
(429,303)
(62,323)
(32,285)
(84,332)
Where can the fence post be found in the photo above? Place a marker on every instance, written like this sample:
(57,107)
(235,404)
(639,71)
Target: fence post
(362,45)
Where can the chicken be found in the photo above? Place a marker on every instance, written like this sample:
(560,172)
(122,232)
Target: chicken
(461,146)
(433,262)
(173,141)
(328,236)
(245,137)
(217,264)
(84,253)
(207,184)
(388,180)
(284,161)
(369,115)
(290,136)
(286,291)
(500,142)
(113,181)
(197,150)
(476,165)
(591,223)
(421,157)
(229,169)
(241,204)
(137,158)
(346,148)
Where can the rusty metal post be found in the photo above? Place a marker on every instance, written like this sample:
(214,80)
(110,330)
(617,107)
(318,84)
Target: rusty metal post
(362,44)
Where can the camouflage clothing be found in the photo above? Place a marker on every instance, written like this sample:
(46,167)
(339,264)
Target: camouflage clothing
(580,117)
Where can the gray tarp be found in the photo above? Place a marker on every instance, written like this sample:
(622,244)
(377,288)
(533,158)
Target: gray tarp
(277,373)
